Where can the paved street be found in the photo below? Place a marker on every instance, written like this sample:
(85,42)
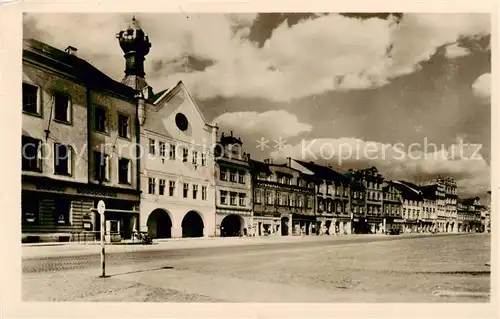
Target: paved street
(405,268)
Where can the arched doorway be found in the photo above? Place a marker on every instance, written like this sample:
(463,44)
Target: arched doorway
(192,225)
(231,226)
(159,224)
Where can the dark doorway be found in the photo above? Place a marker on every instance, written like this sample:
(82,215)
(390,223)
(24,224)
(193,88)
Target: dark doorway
(284,226)
(159,224)
(192,225)
(231,226)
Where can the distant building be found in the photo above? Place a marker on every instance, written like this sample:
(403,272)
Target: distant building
(451,204)
(438,187)
(412,204)
(469,215)
(333,212)
(78,140)
(392,206)
(233,182)
(283,200)
(372,181)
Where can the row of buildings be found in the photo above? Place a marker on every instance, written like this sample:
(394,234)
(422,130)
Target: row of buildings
(161,167)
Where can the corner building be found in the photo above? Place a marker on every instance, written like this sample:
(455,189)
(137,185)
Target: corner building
(78,142)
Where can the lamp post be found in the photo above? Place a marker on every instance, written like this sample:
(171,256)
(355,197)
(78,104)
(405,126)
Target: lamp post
(101,208)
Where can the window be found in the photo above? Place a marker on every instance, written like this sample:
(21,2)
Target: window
(31,154)
(195,191)
(345,192)
(337,191)
(269,197)
(195,158)
(232,176)
(172,152)
(152,144)
(204,193)
(124,171)
(100,119)
(241,198)
(223,176)
(30,99)
(171,188)
(309,201)
(279,199)
(185,154)
(62,107)
(241,177)
(62,159)
(232,199)
(162,146)
(123,126)
(203,159)
(152,185)
(101,166)
(62,211)
(292,200)
(258,196)
(223,197)
(161,188)
(30,210)
(285,200)
(185,190)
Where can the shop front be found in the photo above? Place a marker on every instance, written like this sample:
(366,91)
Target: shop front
(65,211)
(266,225)
(304,225)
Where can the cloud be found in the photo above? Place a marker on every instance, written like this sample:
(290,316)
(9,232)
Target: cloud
(313,56)
(482,87)
(414,162)
(456,51)
(270,125)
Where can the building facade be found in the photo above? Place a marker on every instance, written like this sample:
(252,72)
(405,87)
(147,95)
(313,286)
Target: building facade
(373,182)
(332,191)
(451,205)
(233,193)
(70,115)
(392,205)
(412,203)
(469,215)
(284,200)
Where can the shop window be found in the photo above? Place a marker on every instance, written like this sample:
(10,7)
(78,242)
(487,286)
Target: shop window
(62,211)
(30,208)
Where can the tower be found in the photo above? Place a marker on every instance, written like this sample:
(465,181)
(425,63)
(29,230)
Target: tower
(135,45)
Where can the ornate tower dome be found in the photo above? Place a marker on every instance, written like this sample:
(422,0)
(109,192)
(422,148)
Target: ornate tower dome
(135,45)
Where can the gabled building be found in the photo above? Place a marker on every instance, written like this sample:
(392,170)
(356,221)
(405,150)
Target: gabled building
(429,209)
(283,200)
(177,166)
(333,212)
(78,147)
(412,203)
(438,187)
(233,183)
(392,205)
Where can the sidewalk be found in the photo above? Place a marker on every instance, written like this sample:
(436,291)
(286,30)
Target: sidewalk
(75,249)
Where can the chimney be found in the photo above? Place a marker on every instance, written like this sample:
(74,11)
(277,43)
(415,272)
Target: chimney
(289,161)
(71,50)
(266,161)
(231,133)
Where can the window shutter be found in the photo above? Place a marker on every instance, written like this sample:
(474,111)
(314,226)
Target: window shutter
(107,169)
(129,172)
(68,110)
(39,155)
(70,160)
(39,101)
(118,169)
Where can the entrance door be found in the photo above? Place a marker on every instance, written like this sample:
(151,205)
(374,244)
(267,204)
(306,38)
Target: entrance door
(284,226)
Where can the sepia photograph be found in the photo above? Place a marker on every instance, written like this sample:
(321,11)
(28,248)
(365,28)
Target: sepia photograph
(296,157)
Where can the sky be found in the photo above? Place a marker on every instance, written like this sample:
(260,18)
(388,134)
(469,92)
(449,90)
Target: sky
(408,93)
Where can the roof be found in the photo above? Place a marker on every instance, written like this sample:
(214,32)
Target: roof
(260,166)
(324,172)
(429,191)
(73,66)
(167,94)
(407,191)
